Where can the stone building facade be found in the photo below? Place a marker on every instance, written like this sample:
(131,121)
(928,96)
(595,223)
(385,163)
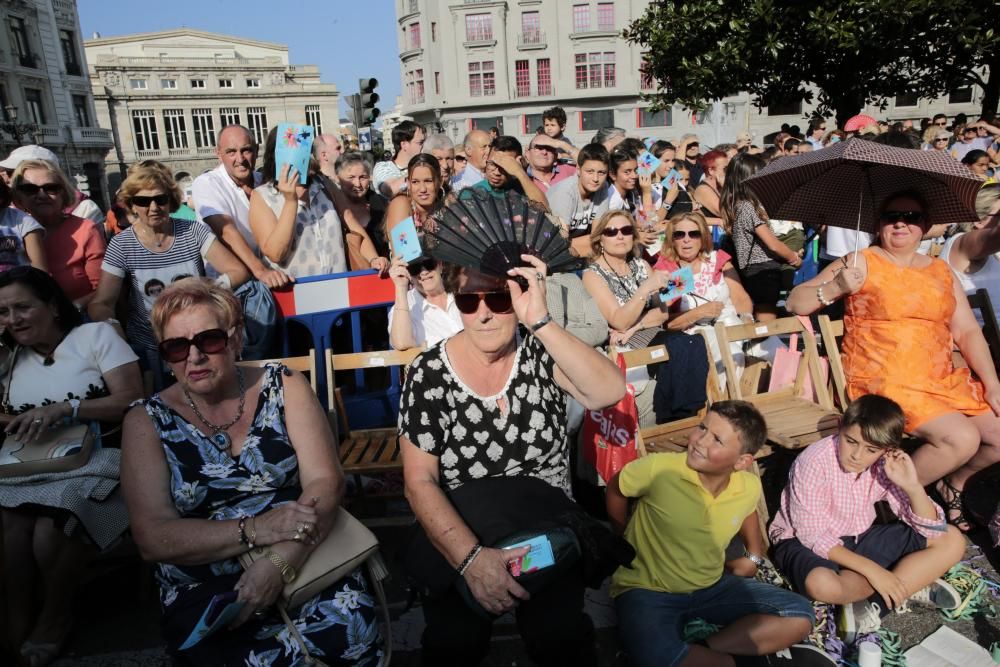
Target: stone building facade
(167,95)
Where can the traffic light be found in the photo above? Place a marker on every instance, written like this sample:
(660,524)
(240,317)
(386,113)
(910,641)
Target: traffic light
(367,100)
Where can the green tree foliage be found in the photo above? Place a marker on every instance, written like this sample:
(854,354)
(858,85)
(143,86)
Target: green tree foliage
(853,51)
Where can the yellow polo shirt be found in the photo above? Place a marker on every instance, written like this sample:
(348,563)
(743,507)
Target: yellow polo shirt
(679,531)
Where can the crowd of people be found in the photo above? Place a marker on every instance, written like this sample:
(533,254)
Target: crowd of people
(134,323)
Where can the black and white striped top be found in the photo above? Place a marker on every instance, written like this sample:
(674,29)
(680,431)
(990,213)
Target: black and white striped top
(150,272)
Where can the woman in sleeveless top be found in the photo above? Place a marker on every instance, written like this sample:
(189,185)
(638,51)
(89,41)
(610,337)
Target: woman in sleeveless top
(973,254)
(903,311)
(225,460)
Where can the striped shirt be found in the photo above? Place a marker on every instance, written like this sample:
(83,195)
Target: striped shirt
(150,272)
(823,503)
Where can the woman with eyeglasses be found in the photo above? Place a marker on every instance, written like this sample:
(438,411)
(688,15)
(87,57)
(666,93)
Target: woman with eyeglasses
(718,295)
(424,313)
(74,246)
(904,311)
(156,251)
(56,371)
(21,237)
(485,408)
(226,460)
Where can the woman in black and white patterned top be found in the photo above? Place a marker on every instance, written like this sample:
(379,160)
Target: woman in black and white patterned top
(480,404)
(759,253)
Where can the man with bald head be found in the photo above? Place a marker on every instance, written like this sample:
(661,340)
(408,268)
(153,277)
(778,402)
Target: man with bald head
(326,149)
(222,201)
(477,149)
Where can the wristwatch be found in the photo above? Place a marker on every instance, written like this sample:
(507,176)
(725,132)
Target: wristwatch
(75,404)
(288,573)
(754,558)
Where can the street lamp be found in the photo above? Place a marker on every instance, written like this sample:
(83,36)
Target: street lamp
(15,129)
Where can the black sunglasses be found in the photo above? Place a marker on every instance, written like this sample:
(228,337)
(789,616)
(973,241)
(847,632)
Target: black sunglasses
(694,145)
(694,234)
(498,302)
(143,201)
(611,232)
(210,341)
(30,189)
(909,217)
(419,266)
(460,158)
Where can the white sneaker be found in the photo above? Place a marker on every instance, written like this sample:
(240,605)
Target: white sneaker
(858,618)
(801,655)
(939,593)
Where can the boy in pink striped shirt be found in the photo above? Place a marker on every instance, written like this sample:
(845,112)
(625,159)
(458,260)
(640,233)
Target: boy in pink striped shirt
(824,536)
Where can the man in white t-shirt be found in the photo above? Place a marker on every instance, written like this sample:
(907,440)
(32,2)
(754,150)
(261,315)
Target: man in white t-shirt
(389,177)
(971,139)
(222,201)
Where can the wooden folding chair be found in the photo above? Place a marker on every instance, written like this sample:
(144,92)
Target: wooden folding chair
(365,451)
(635,358)
(831,331)
(793,422)
(305,364)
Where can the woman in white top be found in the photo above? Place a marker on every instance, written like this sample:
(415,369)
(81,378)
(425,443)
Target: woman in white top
(297,227)
(424,312)
(973,254)
(718,294)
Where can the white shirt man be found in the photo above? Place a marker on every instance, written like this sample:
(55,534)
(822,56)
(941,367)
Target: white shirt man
(389,177)
(477,149)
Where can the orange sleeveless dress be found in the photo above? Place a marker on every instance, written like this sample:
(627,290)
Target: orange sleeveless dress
(897,342)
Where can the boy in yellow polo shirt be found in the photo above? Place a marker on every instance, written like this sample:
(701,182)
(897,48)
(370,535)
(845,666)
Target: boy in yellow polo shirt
(690,506)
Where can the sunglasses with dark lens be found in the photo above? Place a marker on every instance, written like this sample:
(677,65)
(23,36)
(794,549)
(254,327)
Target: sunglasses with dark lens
(143,201)
(460,158)
(694,145)
(909,217)
(419,266)
(693,234)
(612,232)
(210,341)
(497,302)
(942,123)
(30,189)
(941,139)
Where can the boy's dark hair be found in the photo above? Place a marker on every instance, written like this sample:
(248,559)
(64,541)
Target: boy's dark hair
(507,144)
(595,152)
(746,420)
(880,419)
(555,113)
(405,131)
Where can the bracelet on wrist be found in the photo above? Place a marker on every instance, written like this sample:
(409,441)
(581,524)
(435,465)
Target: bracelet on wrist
(468,559)
(540,323)
(252,538)
(819,296)
(242,531)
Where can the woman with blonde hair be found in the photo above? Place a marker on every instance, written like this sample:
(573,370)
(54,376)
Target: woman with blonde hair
(74,246)
(718,294)
(154,252)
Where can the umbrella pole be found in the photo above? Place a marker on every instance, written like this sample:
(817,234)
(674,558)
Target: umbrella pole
(857,229)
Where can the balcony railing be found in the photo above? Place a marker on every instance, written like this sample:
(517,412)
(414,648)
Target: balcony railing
(178,151)
(532,39)
(149,153)
(98,136)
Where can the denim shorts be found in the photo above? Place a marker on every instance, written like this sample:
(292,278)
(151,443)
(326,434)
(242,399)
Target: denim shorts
(885,544)
(651,623)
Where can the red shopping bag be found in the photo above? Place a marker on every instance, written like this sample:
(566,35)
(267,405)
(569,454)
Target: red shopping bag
(786,366)
(609,435)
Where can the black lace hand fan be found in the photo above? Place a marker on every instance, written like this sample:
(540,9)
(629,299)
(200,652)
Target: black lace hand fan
(489,232)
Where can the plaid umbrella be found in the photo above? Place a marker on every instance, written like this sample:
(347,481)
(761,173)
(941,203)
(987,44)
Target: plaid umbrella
(830,186)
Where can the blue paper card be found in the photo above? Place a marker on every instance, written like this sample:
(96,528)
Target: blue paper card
(538,558)
(405,242)
(648,143)
(680,282)
(647,163)
(294,146)
(673,176)
(221,611)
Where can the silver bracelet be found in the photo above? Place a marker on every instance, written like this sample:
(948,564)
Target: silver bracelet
(468,559)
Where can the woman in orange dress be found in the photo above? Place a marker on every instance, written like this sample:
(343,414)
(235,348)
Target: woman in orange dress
(904,312)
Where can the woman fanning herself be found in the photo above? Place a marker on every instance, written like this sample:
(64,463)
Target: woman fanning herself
(510,395)
(228,459)
(57,371)
(718,295)
(903,310)
(424,313)
(422,196)
(759,253)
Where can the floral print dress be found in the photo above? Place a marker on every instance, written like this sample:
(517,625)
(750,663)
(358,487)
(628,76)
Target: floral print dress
(339,625)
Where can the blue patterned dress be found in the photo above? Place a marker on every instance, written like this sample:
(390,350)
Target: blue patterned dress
(339,625)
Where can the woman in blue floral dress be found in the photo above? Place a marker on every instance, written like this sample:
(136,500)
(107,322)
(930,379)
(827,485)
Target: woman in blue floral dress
(229,457)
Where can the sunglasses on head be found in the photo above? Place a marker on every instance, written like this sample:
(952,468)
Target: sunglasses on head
(30,189)
(210,341)
(143,201)
(497,302)
(680,233)
(909,217)
(612,232)
(419,266)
